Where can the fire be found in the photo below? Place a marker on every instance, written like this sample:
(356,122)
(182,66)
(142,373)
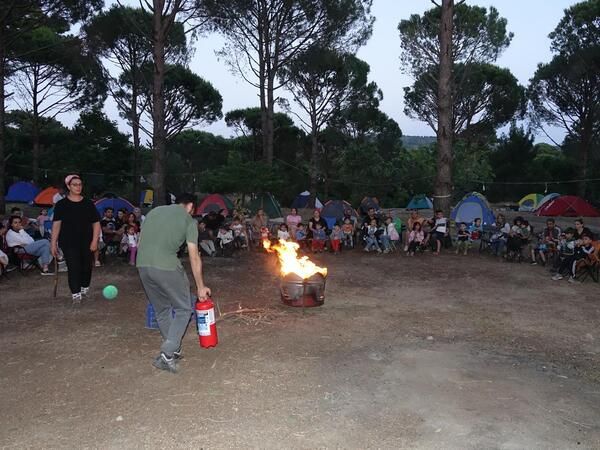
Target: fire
(290,262)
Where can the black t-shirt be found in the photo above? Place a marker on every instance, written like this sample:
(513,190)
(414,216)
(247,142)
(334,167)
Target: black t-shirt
(76,221)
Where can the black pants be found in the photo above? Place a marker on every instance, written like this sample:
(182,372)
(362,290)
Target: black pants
(79,262)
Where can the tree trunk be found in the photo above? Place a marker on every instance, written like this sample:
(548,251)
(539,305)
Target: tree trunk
(269,130)
(135,129)
(35,156)
(2,134)
(443,180)
(158,107)
(314,161)
(584,157)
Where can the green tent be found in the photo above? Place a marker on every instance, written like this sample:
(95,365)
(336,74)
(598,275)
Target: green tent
(267,202)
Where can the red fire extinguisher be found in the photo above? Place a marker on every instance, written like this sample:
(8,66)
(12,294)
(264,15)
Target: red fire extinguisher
(205,320)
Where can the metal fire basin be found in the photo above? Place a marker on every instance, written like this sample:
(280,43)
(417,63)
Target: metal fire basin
(299,292)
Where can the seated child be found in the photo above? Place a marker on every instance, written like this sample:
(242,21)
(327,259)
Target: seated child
(265,234)
(416,239)
(462,239)
(583,254)
(348,233)
(132,243)
(239,232)
(475,230)
(283,233)
(566,250)
(319,238)
(225,241)
(301,235)
(371,242)
(336,238)
(205,240)
(390,234)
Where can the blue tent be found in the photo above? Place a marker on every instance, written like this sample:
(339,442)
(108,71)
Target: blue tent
(22,192)
(471,207)
(420,201)
(305,200)
(115,203)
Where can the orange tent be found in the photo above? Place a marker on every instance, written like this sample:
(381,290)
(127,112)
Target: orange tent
(44,198)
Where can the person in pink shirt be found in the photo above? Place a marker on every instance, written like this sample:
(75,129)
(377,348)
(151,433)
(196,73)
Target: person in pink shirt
(292,221)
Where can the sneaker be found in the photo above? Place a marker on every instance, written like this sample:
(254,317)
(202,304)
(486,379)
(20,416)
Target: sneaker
(406,248)
(177,354)
(85,292)
(97,264)
(76,299)
(557,277)
(534,263)
(164,362)
(47,273)
(572,280)
(10,268)
(378,250)
(62,268)
(387,250)
(367,250)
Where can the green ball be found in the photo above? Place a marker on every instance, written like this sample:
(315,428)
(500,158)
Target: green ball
(110,292)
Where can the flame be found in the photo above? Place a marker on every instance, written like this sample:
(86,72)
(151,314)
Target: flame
(290,262)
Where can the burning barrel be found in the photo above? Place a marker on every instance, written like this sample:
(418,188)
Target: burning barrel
(302,281)
(304,292)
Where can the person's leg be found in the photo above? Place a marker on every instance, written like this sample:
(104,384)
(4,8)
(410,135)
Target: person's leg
(87,259)
(157,296)
(41,249)
(204,246)
(73,259)
(132,255)
(385,242)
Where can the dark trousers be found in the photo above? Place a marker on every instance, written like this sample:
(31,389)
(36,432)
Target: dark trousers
(79,262)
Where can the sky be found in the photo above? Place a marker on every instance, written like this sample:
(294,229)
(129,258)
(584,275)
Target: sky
(530,20)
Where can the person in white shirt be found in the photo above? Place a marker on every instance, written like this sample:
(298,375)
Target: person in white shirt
(283,232)
(17,237)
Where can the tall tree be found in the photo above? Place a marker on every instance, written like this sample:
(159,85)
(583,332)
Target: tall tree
(323,81)
(264,36)
(446,35)
(56,76)
(20,17)
(123,35)
(566,91)
(165,15)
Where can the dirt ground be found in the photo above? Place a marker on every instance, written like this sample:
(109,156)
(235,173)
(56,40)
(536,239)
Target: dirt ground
(427,352)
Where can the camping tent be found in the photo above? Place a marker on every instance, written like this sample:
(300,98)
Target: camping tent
(336,208)
(368,203)
(568,206)
(22,192)
(267,202)
(45,197)
(420,201)
(305,200)
(115,203)
(214,202)
(530,202)
(471,207)
(546,199)
(147,197)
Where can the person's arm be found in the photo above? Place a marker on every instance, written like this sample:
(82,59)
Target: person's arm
(196,263)
(95,236)
(54,239)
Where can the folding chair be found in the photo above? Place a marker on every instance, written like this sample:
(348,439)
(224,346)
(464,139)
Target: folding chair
(23,260)
(590,266)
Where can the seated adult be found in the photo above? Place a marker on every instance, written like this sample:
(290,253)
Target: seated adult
(138,215)
(121,218)
(314,220)
(499,237)
(213,221)
(260,220)
(109,226)
(292,220)
(581,230)
(29,225)
(548,242)
(205,240)
(371,214)
(133,222)
(17,237)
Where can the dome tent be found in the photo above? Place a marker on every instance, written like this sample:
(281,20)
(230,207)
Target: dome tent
(45,197)
(547,198)
(305,200)
(471,207)
(336,209)
(22,192)
(214,203)
(115,203)
(530,202)
(267,202)
(568,206)
(420,201)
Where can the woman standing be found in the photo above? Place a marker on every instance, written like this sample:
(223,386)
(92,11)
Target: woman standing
(76,229)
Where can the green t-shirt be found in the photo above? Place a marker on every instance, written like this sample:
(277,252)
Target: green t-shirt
(163,231)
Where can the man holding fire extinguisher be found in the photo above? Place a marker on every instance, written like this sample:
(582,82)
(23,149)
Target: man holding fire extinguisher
(164,279)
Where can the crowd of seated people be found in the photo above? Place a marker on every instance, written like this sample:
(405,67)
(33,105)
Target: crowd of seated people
(219,237)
